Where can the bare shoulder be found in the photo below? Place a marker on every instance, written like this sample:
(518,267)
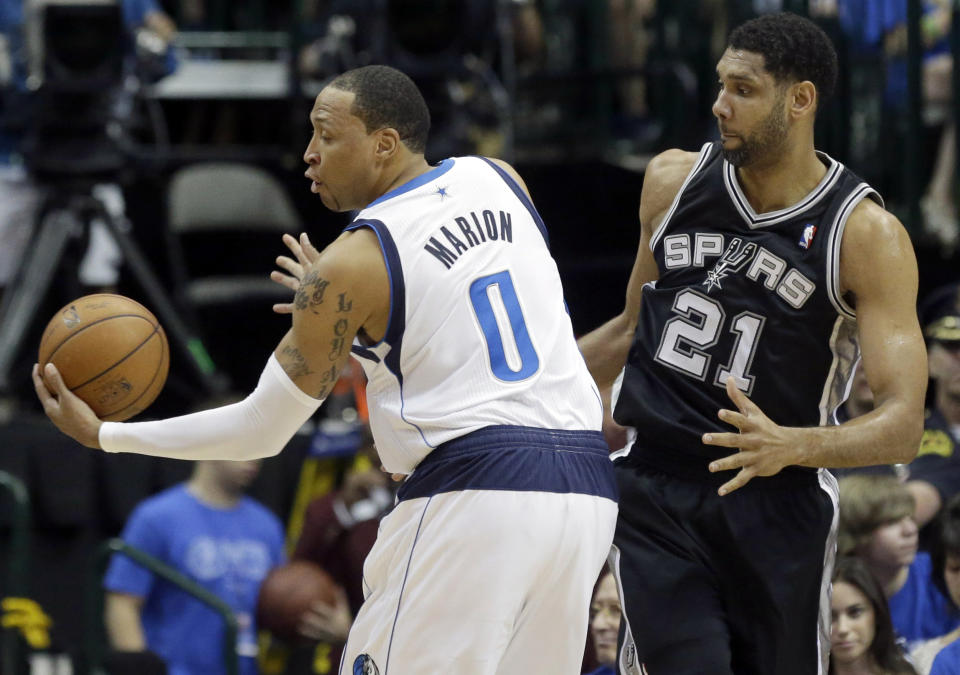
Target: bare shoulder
(874,243)
(661,182)
(510,172)
(351,252)
(869,223)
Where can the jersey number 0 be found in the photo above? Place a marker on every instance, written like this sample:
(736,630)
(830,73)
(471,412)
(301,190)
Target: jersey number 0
(494,300)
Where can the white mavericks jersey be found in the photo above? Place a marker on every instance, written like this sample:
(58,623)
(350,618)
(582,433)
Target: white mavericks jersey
(479,333)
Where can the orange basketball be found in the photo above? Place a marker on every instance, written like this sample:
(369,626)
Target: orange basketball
(288,591)
(110,351)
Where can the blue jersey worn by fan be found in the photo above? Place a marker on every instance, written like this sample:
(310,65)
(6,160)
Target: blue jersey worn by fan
(227,551)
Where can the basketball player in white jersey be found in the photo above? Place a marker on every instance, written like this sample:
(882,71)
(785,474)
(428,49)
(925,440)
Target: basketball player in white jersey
(444,288)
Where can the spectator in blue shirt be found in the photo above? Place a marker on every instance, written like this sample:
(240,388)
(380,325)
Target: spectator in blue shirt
(945,555)
(226,542)
(877,526)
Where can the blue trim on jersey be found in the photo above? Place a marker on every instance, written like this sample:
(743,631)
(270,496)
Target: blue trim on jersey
(522,196)
(398,303)
(422,179)
(398,306)
(519,459)
(364,353)
(406,572)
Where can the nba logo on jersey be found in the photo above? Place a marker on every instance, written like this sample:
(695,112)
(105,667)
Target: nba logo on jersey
(807,238)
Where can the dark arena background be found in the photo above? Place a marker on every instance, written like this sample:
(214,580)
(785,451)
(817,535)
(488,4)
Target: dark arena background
(161,157)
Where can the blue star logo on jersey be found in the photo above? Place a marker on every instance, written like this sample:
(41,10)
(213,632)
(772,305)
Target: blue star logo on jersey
(442,191)
(733,259)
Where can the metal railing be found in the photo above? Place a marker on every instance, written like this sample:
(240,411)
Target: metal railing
(17,564)
(95,638)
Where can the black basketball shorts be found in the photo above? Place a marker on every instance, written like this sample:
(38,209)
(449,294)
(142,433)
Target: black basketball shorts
(728,585)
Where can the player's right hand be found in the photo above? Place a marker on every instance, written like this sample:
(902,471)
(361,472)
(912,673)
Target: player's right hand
(64,408)
(305,253)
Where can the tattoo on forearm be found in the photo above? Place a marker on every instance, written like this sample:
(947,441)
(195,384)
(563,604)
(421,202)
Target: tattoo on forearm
(345,305)
(295,365)
(336,348)
(329,376)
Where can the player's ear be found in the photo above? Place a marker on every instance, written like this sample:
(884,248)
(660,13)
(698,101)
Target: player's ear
(803,98)
(388,142)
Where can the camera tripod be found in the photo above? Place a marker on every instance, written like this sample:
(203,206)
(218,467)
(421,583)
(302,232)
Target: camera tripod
(66,204)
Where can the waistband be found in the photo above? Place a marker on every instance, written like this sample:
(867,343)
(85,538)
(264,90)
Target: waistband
(520,459)
(691,467)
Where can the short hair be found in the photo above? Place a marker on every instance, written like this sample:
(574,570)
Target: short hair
(385,97)
(946,543)
(794,49)
(868,501)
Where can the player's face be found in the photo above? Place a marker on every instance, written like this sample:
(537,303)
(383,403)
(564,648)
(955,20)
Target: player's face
(951,577)
(892,545)
(750,109)
(341,154)
(854,624)
(605,620)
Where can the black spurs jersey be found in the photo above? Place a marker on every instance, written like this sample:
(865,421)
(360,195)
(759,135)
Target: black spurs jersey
(741,294)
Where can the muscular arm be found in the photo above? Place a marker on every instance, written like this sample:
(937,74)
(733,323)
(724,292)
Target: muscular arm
(344,290)
(605,348)
(121,615)
(879,269)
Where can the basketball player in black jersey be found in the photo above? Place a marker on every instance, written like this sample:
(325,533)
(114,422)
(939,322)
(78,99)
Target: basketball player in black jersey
(765,271)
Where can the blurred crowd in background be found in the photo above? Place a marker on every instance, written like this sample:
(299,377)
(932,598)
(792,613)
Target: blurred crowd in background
(154,148)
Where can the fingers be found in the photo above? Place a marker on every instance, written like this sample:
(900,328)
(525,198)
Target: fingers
(724,440)
(290,265)
(728,463)
(293,283)
(735,394)
(742,478)
(283,308)
(44,394)
(294,246)
(733,418)
(309,251)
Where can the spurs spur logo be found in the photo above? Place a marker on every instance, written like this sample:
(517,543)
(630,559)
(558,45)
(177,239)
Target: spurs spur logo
(733,259)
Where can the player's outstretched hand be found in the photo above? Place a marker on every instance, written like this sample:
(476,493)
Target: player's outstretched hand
(764,448)
(305,253)
(327,623)
(64,408)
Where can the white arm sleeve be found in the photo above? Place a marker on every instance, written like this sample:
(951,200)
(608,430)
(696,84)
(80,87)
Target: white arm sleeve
(258,426)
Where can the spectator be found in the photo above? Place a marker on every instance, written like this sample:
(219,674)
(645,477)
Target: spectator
(208,530)
(339,529)
(881,25)
(946,575)
(862,638)
(938,461)
(876,525)
(605,624)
